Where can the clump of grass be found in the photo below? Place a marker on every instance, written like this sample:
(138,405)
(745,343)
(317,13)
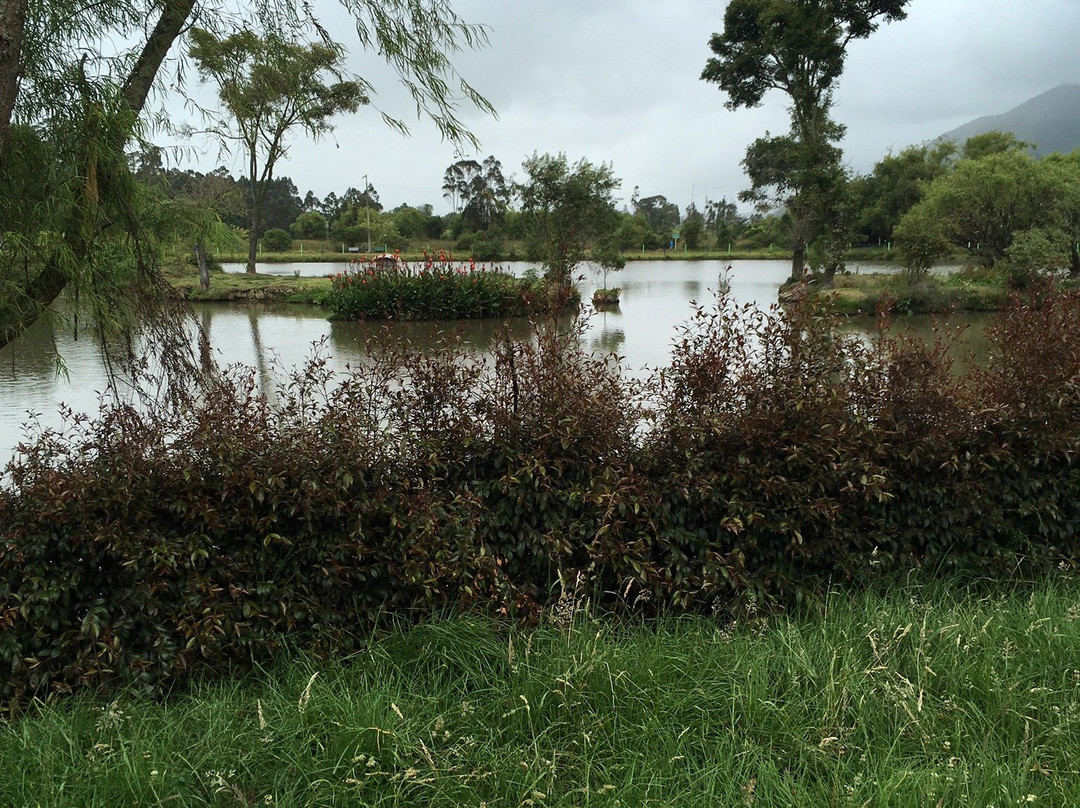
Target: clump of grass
(435,288)
(926,694)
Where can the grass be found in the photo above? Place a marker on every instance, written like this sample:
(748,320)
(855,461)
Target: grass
(228,287)
(922,695)
(969,290)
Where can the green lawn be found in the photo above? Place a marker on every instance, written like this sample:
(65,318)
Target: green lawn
(919,695)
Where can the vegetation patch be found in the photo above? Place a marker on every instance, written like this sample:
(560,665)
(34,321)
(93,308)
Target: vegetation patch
(241,286)
(434,289)
(866,294)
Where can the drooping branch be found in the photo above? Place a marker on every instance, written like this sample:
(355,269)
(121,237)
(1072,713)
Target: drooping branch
(39,292)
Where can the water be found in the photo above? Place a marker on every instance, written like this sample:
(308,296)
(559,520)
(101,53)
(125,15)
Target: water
(656,297)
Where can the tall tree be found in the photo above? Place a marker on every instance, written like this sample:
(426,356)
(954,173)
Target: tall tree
(663,216)
(269,87)
(797,47)
(479,191)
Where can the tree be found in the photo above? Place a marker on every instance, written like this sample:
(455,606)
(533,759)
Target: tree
(479,191)
(799,49)
(310,224)
(723,221)
(276,240)
(69,202)
(995,142)
(979,207)
(268,87)
(693,227)
(895,185)
(85,109)
(568,212)
(662,216)
(368,198)
(1063,171)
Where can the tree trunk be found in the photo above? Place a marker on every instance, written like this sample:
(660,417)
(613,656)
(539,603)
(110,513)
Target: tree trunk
(798,260)
(1074,259)
(172,21)
(12,28)
(200,259)
(253,239)
(42,290)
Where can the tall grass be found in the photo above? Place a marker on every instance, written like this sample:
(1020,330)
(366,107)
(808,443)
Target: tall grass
(435,288)
(926,694)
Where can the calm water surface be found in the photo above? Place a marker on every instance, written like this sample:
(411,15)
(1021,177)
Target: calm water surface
(656,298)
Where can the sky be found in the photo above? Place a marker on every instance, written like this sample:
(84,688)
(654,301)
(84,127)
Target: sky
(618,82)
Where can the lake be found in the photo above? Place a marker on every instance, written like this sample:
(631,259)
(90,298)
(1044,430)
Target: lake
(656,298)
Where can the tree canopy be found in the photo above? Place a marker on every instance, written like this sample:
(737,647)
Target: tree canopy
(267,88)
(568,211)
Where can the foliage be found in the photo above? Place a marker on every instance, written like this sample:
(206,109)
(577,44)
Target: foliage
(434,289)
(773,457)
(276,240)
(363,227)
(693,227)
(978,146)
(895,185)
(49,70)
(661,216)
(981,204)
(480,192)
(268,87)
(310,225)
(567,211)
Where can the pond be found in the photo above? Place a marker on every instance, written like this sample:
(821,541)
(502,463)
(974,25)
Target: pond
(656,298)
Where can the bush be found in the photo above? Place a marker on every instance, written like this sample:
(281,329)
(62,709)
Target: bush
(276,240)
(431,290)
(774,457)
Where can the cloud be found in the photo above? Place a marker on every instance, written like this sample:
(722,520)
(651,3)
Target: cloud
(618,81)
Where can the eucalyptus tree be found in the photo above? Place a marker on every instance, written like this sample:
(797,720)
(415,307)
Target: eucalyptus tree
(797,47)
(479,190)
(69,113)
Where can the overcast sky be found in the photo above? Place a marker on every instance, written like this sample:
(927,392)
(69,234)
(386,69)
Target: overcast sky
(617,81)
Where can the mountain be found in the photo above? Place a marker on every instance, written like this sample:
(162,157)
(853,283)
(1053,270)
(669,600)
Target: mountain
(1050,120)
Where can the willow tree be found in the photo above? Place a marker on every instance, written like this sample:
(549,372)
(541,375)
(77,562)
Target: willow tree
(69,115)
(797,47)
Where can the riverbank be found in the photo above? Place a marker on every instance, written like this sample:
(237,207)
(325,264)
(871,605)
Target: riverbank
(865,294)
(318,253)
(231,287)
(925,693)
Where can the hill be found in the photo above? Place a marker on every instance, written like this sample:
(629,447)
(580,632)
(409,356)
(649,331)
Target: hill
(1050,120)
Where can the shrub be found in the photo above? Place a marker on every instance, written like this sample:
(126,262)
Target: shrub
(773,457)
(433,289)
(276,240)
